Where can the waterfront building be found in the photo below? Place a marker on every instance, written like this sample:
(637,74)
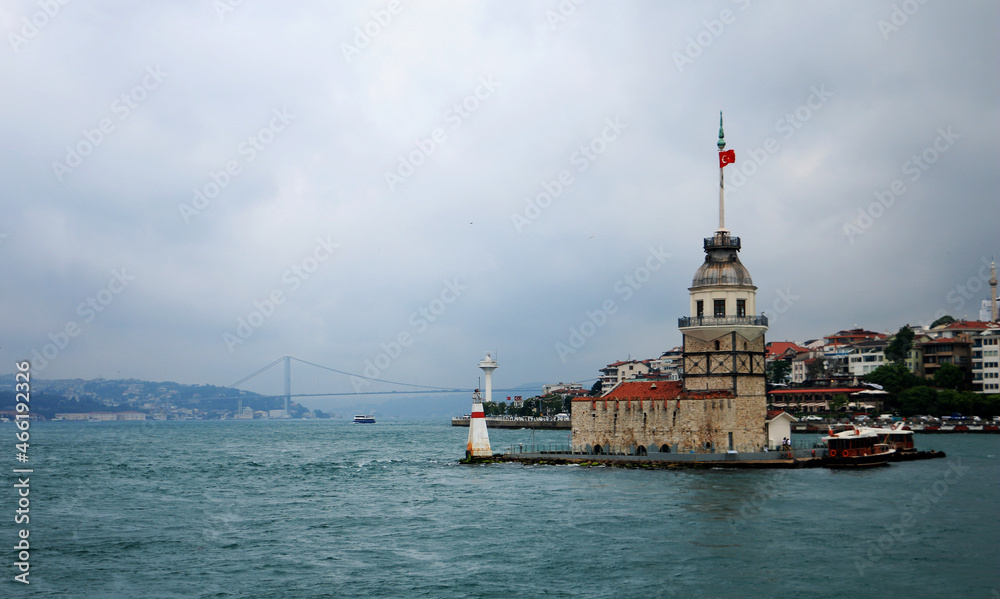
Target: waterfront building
(561,388)
(670,364)
(813,399)
(612,374)
(986,362)
(779,426)
(956,350)
(720,402)
(866,356)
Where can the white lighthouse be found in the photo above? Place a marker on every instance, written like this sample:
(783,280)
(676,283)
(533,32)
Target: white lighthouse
(479,439)
(488,365)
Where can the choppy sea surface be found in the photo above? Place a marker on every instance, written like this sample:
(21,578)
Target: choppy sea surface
(330,509)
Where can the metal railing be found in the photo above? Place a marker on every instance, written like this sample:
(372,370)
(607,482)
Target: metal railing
(699,321)
(723,241)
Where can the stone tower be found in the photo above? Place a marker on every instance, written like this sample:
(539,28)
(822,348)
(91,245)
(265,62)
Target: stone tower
(724,336)
(721,403)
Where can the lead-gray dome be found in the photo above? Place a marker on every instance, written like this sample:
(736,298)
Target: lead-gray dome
(722,267)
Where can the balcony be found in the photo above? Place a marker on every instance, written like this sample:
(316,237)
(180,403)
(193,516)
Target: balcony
(722,240)
(706,321)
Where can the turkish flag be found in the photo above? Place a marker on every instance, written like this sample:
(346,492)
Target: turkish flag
(727,157)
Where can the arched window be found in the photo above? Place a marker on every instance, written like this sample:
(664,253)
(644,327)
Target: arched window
(664,448)
(716,345)
(640,450)
(708,445)
(598,450)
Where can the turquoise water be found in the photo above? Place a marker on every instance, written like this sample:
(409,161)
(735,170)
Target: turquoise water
(326,509)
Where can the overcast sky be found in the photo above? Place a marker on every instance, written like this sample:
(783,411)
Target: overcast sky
(192,189)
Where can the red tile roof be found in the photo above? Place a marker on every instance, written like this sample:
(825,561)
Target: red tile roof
(658,389)
(777,348)
(970,324)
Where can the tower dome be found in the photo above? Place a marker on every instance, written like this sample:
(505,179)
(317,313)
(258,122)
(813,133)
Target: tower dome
(722,264)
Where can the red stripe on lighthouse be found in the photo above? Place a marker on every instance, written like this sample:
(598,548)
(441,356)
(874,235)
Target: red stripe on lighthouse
(478,415)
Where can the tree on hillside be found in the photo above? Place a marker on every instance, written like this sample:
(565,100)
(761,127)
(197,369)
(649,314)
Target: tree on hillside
(900,345)
(943,320)
(893,377)
(948,376)
(918,400)
(816,369)
(777,371)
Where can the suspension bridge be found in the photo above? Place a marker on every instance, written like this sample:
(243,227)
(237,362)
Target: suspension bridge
(357,381)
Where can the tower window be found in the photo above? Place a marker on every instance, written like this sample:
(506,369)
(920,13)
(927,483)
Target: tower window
(741,307)
(720,308)
(700,307)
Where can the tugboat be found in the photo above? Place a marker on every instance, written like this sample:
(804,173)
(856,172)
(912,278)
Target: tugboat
(855,448)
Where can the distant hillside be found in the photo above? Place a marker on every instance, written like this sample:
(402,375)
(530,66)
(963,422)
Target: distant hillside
(104,395)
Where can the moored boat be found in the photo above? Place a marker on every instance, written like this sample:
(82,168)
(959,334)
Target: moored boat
(856,448)
(896,437)
(363,419)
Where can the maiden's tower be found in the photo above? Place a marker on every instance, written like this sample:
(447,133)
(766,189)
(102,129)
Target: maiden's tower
(720,404)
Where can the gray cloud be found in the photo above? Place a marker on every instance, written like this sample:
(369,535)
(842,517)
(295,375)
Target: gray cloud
(555,84)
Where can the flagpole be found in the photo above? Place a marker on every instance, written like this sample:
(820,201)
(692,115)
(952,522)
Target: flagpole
(722,190)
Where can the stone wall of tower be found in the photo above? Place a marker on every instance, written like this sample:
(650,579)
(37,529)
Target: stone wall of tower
(621,426)
(707,367)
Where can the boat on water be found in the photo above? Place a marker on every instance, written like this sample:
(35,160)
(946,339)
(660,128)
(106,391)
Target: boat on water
(897,437)
(856,448)
(364,419)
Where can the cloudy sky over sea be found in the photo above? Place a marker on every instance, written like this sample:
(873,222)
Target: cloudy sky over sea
(192,189)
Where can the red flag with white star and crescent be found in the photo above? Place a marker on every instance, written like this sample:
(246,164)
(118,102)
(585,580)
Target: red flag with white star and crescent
(727,157)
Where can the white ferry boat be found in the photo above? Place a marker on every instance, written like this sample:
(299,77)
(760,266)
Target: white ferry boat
(363,419)
(855,448)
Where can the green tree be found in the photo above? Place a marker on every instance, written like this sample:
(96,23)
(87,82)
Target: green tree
(838,402)
(919,400)
(892,377)
(900,345)
(777,371)
(816,369)
(596,388)
(948,376)
(943,320)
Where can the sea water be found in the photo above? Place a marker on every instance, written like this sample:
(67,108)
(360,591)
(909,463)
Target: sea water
(331,509)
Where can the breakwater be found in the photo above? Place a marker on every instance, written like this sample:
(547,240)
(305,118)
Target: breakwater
(517,422)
